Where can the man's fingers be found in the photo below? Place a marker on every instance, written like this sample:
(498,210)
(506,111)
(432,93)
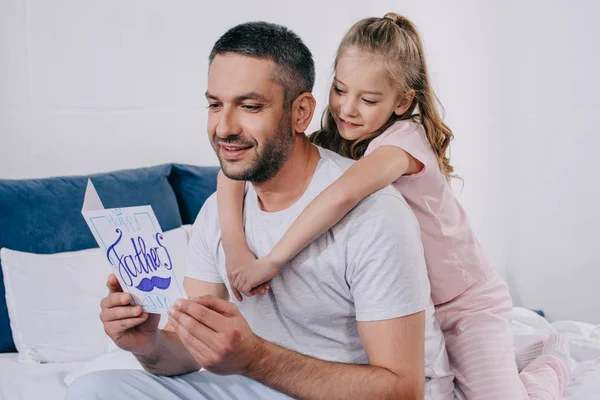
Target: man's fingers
(120,313)
(115,300)
(219,305)
(119,326)
(200,351)
(201,313)
(187,326)
(113,284)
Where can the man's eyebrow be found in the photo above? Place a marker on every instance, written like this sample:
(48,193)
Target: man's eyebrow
(251,96)
(210,96)
(242,97)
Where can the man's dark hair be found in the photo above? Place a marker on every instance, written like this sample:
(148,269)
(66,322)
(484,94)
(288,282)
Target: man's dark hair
(294,65)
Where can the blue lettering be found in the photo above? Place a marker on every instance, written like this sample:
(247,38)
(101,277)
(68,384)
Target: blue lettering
(127,259)
(149,303)
(133,223)
(162,301)
(140,262)
(159,238)
(116,220)
(111,219)
(123,268)
(155,258)
(140,254)
(153,302)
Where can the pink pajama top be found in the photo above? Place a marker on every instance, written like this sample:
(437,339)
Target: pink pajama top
(454,257)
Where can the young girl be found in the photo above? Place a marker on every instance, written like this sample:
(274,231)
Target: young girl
(383,112)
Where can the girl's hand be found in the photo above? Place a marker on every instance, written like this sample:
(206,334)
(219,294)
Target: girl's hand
(235,262)
(251,277)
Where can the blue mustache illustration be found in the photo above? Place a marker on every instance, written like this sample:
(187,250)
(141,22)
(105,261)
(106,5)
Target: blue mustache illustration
(148,284)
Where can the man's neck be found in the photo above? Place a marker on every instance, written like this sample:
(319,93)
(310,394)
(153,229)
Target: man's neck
(292,180)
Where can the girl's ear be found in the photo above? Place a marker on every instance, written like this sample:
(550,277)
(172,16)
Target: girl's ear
(405,102)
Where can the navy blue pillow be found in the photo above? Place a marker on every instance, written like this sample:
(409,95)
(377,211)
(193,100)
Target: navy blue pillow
(192,186)
(44,215)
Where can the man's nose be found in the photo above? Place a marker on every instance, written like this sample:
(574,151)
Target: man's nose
(227,124)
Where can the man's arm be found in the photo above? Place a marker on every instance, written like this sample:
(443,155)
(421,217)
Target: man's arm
(395,349)
(167,355)
(219,338)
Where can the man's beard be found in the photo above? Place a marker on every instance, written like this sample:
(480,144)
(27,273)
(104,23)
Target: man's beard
(268,162)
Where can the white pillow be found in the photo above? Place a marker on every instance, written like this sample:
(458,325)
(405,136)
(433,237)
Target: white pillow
(54,300)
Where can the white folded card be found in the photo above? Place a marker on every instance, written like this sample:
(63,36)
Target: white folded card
(134,245)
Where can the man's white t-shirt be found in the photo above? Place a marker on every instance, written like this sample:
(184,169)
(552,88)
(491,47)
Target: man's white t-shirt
(368,267)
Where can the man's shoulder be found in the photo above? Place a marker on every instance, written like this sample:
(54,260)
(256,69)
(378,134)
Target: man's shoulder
(384,213)
(384,201)
(207,220)
(332,164)
(335,159)
(210,205)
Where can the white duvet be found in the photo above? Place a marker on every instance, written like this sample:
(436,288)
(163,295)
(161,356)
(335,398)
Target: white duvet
(24,381)
(584,382)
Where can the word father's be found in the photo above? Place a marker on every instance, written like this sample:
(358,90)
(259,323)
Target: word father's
(140,260)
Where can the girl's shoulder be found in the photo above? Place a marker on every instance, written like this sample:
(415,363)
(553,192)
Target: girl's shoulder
(404,126)
(406,134)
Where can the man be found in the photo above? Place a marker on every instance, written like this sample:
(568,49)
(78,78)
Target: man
(350,317)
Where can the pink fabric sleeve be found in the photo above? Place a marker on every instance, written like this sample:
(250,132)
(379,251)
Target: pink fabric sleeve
(410,137)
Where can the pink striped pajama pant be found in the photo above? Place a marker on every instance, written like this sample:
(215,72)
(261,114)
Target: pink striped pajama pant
(479,339)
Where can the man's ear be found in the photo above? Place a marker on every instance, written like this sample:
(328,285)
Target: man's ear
(405,101)
(303,109)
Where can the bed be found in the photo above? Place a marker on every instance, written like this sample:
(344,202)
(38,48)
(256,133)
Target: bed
(25,381)
(584,382)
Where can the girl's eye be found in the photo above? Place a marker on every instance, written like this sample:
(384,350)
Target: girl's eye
(337,89)
(369,101)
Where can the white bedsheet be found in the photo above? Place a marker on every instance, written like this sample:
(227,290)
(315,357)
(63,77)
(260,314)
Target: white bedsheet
(584,382)
(29,381)
(19,381)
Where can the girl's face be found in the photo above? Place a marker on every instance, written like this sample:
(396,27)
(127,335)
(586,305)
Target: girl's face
(362,97)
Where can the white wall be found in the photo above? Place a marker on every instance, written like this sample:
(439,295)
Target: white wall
(90,86)
(551,119)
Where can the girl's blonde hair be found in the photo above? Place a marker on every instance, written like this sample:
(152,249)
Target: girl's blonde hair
(396,41)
